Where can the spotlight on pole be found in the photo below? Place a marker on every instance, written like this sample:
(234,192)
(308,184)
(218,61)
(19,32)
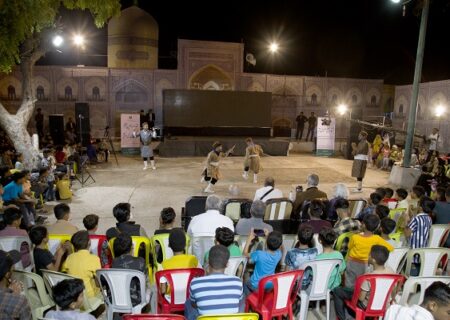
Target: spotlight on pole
(342,109)
(57,40)
(395,1)
(439,111)
(78,40)
(273,47)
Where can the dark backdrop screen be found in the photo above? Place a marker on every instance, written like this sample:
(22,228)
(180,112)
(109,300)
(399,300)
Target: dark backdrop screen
(201,108)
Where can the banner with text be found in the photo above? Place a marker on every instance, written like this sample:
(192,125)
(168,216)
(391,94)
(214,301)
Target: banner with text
(326,131)
(129,122)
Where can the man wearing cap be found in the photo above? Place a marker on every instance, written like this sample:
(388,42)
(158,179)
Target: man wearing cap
(361,156)
(13,305)
(212,174)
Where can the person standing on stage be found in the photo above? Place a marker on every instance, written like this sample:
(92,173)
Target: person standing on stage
(301,119)
(252,160)
(361,156)
(146,135)
(312,123)
(212,173)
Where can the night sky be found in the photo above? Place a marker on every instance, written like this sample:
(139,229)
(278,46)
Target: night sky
(338,38)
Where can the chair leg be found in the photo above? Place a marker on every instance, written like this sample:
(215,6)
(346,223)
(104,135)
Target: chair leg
(359,314)
(304,302)
(328,305)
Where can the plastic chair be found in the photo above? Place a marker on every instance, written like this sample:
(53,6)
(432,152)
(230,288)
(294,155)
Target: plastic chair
(289,241)
(236,266)
(279,301)
(395,214)
(200,245)
(278,214)
(381,289)
(410,296)
(152,317)
(15,243)
(161,241)
(52,278)
(397,237)
(317,243)
(430,258)
(397,259)
(438,235)
(345,237)
(193,206)
(36,294)
(116,282)
(356,206)
(322,271)
(232,208)
(237,316)
(178,281)
(54,240)
(138,241)
(97,249)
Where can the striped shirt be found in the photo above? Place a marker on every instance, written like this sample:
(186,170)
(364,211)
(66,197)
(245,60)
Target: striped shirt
(216,294)
(420,226)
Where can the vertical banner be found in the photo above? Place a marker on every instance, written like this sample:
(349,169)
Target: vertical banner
(326,131)
(129,122)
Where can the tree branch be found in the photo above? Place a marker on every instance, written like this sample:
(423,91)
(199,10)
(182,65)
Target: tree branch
(5,116)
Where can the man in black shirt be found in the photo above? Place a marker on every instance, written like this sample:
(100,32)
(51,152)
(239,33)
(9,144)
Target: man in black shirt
(301,119)
(312,122)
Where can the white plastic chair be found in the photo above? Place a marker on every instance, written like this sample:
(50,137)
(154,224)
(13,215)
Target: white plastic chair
(322,271)
(429,260)
(317,243)
(35,293)
(289,241)
(410,295)
(119,282)
(438,234)
(15,243)
(236,266)
(200,245)
(396,260)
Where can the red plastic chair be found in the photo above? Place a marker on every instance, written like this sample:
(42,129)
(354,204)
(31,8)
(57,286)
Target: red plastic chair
(381,288)
(279,301)
(152,316)
(179,281)
(97,249)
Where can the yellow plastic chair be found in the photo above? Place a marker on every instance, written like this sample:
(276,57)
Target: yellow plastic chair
(161,242)
(37,296)
(340,240)
(54,240)
(237,316)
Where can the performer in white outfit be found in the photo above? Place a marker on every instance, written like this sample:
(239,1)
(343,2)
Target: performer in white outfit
(146,135)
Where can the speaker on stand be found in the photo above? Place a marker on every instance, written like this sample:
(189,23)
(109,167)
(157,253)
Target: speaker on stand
(83,125)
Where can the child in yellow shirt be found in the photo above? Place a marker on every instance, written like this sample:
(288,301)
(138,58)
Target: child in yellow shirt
(63,188)
(359,249)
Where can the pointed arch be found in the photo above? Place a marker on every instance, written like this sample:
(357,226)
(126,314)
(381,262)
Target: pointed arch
(209,74)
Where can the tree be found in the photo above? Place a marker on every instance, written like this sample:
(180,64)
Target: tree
(25,28)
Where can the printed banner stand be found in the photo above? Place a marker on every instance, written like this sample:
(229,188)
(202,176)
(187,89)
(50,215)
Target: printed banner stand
(129,122)
(326,132)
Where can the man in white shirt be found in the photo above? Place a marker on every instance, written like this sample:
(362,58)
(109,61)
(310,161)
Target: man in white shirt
(268,191)
(435,306)
(433,140)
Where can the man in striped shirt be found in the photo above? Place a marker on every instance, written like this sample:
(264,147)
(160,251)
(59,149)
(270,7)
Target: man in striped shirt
(215,293)
(418,229)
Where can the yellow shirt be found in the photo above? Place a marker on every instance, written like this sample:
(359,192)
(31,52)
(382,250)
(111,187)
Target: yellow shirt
(359,246)
(82,264)
(62,227)
(181,261)
(63,187)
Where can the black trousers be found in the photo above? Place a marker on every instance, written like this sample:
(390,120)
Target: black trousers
(310,131)
(299,133)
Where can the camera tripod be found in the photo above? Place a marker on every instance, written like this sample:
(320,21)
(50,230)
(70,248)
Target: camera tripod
(107,136)
(85,175)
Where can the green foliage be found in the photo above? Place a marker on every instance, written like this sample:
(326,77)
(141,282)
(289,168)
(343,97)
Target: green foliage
(21,19)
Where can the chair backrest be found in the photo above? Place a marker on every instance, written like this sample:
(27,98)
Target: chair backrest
(412,285)
(285,288)
(430,259)
(381,287)
(345,237)
(161,241)
(278,209)
(397,259)
(54,240)
(236,266)
(193,206)
(356,206)
(116,282)
(179,281)
(395,214)
(200,245)
(438,235)
(52,278)
(237,316)
(317,243)
(138,242)
(289,241)
(321,271)
(152,316)
(232,208)
(15,243)
(97,249)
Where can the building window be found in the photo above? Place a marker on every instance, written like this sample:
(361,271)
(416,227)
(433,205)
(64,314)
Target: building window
(40,93)
(400,110)
(95,93)
(354,99)
(373,100)
(68,93)
(11,93)
(314,98)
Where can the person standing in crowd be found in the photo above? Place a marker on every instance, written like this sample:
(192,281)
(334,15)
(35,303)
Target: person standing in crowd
(70,125)
(145,135)
(301,120)
(211,173)
(433,140)
(361,156)
(39,121)
(312,123)
(252,160)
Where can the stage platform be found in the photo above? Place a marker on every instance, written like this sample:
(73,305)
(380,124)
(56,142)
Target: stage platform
(181,146)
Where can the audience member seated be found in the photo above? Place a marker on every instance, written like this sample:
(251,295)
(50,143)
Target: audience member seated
(13,304)
(60,155)
(19,162)
(63,187)
(359,249)
(381,211)
(122,213)
(435,305)
(68,295)
(225,237)
(377,258)
(215,293)
(442,212)
(418,228)
(327,238)
(166,220)
(268,191)
(315,213)
(389,200)
(5,175)
(2,205)
(266,260)
(345,223)
(62,224)
(417,193)
(373,201)
(401,195)
(43,258)
(90,222)
(205,224)
(257,211)
(387,226)
(312,192)
(340,192)
(180,260)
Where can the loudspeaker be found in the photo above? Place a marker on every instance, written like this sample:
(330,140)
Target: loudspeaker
(83,123)
(56,125)
(354,131)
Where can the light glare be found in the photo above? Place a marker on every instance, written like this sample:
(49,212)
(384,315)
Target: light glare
(78,40)
(440,110)
(342,109)
(273,47)
(58,41)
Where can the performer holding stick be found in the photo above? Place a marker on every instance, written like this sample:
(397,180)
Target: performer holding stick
(212,174)
(146,135)
(252,159)
(361,156)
